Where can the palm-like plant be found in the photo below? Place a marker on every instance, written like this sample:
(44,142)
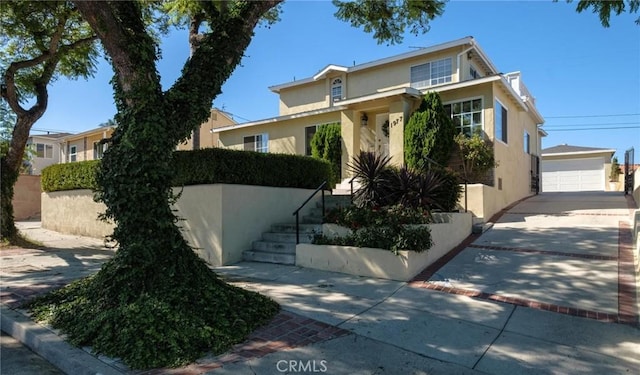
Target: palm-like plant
(372,172)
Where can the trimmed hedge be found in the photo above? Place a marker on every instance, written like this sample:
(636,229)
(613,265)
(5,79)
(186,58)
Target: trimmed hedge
(209,166)
(70,176)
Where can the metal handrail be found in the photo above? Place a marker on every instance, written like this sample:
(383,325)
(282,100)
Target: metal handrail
(351,183)
(296,213)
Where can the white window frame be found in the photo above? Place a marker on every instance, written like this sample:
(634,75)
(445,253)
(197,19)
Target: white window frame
(435,73)
(473,126)
(473,72)
(260,142)
(98,150)
(307,141)
(47,151)
(336,90)
(503,135)
(73,153)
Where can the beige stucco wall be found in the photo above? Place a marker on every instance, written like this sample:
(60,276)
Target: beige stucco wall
(74,212)
(384,263)
(84,144)
(26,197)
(285,137)
(220,222)
(208,138)
(38,164)
(482,201)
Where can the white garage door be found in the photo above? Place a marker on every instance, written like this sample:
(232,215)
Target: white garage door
(573,175)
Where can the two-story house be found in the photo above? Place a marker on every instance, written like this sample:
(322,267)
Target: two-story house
(367,97)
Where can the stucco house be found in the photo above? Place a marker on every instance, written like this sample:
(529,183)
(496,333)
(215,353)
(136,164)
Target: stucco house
(89,144)
(368,97)
(45,151)
(576,168)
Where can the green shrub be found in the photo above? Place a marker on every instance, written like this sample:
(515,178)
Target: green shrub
(385,228)
(476,154)
(428,134)
(327,144)
(209,166)
(70,176)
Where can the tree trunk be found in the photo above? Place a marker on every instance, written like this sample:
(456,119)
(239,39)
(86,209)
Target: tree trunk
(10,168)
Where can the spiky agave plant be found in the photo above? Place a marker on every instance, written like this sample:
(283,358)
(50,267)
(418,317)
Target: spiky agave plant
(372,172)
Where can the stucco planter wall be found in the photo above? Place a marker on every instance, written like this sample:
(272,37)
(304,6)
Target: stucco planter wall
(384,263)
(26,197)
(221,220)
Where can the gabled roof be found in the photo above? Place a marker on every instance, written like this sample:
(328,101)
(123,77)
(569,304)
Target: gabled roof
(51,136)
(420,52)
(568,149)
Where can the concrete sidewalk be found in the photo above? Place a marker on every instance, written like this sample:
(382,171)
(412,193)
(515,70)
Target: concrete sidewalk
(342,324)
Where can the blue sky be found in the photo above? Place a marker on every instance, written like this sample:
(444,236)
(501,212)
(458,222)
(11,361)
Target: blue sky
(582,75)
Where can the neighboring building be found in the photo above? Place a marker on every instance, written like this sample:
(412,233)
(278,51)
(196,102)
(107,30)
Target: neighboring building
(205,137)
(88,145)
(575,168)
(44,150)
(366,98)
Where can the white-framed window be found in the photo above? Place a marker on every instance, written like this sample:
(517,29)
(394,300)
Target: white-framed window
(44,151)
(336,90)
(309,132)
(466,115)
(473,73)
(258,143)
(500,121)
(527,142)
(73,153)
(98,150)
(432,73)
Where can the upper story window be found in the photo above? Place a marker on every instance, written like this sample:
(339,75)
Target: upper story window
(258,143)
(431,73)
(44,151)
(473,73)
(527,142)
(500,123)
(466,115)
(336,90)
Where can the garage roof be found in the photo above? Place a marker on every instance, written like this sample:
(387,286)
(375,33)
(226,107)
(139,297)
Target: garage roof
(573,150)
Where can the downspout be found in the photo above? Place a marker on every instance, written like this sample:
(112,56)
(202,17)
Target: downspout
(459,61)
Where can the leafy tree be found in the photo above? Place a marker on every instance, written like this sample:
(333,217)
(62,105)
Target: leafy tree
(41,41)
(327,144)
(428,134)
(605,8)
(156,303)
(476,154)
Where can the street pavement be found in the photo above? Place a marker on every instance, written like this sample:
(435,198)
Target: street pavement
(543,291)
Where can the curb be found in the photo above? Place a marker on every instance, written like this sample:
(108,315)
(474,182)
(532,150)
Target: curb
(52,347)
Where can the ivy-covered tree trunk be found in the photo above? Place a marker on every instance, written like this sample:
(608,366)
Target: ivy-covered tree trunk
(156,303)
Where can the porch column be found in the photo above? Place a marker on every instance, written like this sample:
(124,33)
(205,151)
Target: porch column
(398,114)
(350,131)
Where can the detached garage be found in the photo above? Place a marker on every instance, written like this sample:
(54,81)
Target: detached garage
(574,168)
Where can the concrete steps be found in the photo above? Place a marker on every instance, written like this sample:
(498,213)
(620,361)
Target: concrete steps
(279,244)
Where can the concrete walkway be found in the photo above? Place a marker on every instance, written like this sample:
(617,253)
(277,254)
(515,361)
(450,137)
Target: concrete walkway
(546,290)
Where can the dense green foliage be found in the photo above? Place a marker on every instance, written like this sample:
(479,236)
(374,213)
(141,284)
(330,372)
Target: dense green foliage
(391,228)
(428,135)
(605,8)
(70,176)
(477,156)
(179,329)
(615,173)
(382,185)
(207,166)
(327,144)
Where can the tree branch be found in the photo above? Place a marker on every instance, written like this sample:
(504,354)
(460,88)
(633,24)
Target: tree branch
(211,64)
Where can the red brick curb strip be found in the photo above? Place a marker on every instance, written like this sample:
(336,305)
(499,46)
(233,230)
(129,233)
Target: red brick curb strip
(286,331)
(566,213)
(627,306)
